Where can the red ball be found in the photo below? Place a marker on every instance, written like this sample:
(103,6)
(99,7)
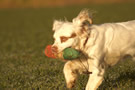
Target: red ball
(48,51)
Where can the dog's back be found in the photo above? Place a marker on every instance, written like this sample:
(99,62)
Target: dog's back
(119,40)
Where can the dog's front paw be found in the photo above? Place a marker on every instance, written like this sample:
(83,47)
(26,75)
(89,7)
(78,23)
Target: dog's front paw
(71,84)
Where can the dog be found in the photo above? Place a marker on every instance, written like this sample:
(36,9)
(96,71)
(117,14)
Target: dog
(103,46)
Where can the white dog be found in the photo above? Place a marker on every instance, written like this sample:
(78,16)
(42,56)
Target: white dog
(103,45)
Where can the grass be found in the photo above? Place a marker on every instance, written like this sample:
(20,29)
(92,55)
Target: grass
(24,33)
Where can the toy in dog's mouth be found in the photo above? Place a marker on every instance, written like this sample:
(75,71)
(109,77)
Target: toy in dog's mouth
(66,54)
(48,51)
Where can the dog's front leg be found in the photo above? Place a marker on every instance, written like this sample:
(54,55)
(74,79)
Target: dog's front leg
(70,74)
(71,71)
(95,79)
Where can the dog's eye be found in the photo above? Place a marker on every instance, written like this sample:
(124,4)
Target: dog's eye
(63,39)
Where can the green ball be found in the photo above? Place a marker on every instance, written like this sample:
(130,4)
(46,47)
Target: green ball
(70,54)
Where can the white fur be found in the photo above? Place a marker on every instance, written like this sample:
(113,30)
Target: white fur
(107,44)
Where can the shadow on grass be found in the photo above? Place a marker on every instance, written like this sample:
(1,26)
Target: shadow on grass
(124,81)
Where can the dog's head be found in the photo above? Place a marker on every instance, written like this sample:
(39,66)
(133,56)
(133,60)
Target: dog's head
(67,34)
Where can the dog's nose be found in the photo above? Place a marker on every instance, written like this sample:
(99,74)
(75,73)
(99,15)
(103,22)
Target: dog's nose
(54,49)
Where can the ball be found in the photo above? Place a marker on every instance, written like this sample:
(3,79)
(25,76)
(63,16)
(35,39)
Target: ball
(70,54)
(66,54)
(48,51)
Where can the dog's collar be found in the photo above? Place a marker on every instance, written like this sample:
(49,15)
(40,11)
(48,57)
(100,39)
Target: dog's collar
(88,72)
(86,40)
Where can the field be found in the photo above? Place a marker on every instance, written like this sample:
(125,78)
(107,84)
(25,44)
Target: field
(24,33)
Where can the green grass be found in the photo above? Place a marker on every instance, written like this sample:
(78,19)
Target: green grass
(24,33)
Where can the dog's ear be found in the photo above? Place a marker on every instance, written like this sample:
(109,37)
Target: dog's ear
(83,21)
(56,25)
(84,18)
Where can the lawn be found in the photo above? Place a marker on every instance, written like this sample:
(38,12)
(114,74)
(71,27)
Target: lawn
(24,33)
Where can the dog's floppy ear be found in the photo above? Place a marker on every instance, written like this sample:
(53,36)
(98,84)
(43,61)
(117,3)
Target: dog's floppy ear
(83,21)
(56,25)
(84,17)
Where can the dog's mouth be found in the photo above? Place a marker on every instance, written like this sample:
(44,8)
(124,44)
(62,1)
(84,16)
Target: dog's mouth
(59,54)
(60,51)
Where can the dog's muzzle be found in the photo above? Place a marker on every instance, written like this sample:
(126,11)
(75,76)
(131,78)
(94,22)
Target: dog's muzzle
(54,49)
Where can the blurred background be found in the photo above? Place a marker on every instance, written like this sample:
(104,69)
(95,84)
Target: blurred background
(52,3)
(26,29)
